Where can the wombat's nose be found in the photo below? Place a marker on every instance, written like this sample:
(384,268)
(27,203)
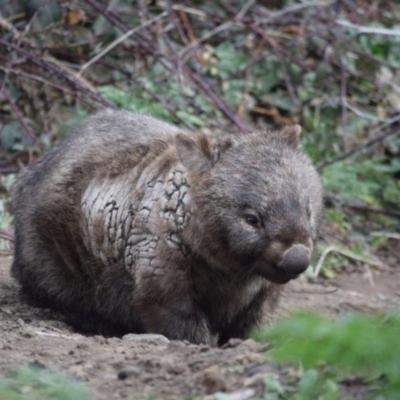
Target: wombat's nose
(295,260)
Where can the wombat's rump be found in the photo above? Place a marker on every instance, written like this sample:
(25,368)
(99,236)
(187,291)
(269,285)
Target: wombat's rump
(129,225)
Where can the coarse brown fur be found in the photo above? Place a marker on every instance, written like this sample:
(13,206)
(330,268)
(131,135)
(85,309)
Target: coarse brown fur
(130,225)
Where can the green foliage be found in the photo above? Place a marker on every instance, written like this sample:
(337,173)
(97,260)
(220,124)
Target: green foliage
(229,59)
(31,383)
(131,101)
(364,346)
(6,182)
(374,181)
(10,135)
(139,100)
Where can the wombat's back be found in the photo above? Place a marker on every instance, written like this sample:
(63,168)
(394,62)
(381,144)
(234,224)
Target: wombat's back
(104,141)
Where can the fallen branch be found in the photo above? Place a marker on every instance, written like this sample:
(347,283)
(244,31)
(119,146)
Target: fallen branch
(385,211)
(314,273)
(365,145)
(369,29)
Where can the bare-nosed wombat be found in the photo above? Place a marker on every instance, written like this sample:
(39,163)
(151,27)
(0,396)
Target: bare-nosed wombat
(130,225)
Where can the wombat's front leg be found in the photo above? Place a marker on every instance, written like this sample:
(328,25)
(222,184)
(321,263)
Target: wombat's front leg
(251,316)
(178,322)
(178,325)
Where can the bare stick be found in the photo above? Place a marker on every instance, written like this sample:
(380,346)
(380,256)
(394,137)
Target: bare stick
(173,64)
(365,145)
(369,29)
(386,211)
(6,235)
(118,41)
(288,83)
(316,271)
(20,116)
(56,85)
(363,114)
(389,235)
(206,36)
(294,8)
(63,73)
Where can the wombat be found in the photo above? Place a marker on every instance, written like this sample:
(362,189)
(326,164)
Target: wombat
(130,225)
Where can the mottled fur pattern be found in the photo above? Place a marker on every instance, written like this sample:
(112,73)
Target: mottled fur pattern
(130,225)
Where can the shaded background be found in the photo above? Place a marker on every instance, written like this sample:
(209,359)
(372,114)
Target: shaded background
(332,66)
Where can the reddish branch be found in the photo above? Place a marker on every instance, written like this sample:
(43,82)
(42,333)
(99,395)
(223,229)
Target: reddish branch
(172,64)
(59,72)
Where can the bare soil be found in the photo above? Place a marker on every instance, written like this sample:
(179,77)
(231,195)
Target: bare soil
(137,365)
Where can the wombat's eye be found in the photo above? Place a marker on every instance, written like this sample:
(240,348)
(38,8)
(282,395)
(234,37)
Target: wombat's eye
(251,219)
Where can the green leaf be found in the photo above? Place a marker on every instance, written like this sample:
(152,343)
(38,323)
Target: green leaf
(229,59)
(9,135)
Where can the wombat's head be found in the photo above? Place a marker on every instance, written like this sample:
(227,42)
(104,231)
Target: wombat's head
(257,202)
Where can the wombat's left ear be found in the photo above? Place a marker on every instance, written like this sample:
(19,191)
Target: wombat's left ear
(195,151)
(291,134)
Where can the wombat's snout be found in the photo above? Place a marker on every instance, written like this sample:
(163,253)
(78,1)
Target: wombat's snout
(295,260)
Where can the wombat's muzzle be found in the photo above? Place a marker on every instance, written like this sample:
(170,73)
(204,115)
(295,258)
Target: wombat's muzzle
(295,260)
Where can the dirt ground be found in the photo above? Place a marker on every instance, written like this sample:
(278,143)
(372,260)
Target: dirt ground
(135,365)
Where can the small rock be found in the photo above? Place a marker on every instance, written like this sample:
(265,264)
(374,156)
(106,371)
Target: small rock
(174,367)
(126,372)
(147,338)
(45,353)
(27,334)
(204,348)
(176,345)
(243,394)
(214,380)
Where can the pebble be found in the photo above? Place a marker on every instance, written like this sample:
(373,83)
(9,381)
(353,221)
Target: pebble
(147,338)
(126,372)
(243,394)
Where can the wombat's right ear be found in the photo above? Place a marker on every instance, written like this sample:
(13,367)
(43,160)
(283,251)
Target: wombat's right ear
(194,151)
(291,134)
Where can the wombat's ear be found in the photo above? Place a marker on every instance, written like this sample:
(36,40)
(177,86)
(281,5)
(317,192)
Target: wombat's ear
(194,151)
(221,146)
(291,134)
